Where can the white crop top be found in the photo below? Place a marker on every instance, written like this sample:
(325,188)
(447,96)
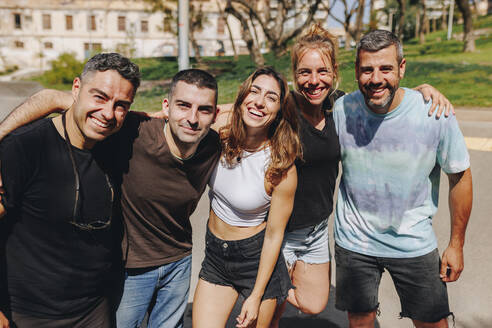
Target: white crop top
(237,194)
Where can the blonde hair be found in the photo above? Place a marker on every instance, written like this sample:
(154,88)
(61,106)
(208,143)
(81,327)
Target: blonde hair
(285,145)
(316,38)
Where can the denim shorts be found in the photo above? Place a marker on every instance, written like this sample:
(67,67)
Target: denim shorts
(423,295)
(309,245)
(235,263)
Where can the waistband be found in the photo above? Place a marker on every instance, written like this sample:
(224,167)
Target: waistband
(239,244)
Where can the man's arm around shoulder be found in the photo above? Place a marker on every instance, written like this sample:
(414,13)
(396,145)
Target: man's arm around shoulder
(38,105)
(460,205)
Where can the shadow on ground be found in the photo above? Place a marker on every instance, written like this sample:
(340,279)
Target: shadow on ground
(329,318)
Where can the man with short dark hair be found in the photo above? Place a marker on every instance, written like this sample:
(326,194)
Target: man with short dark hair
(163,167)
(392,155)
(58,234)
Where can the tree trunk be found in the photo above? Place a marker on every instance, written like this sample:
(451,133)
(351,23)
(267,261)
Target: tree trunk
(247,36)
(464,7)
(231,37)
(401,20)
(348,38)
(359,24)
(444,18)
(196,48)
(417,22)
(422,23)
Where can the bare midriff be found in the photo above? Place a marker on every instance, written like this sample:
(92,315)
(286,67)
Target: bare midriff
(226,231)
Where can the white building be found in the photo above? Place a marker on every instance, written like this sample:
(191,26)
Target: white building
(33,32)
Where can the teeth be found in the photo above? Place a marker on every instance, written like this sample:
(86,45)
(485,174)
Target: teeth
(315,92)
(99,123)
(256,113)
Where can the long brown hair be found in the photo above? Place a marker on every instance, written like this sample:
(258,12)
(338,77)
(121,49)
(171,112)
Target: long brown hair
(316,38)
(285,145)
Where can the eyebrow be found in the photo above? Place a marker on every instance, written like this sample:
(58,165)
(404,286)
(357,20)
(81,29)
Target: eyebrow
(104,94)
(189,104)
(96,90)
(268,91)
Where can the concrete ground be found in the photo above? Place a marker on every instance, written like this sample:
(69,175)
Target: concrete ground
(470,297)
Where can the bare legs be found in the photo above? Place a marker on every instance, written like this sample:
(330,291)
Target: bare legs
(312,283)
(213,304)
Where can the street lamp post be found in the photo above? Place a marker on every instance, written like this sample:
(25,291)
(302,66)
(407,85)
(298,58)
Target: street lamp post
(183,27)
(450,19)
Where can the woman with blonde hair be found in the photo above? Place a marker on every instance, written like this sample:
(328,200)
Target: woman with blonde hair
(251,194)
(306,249)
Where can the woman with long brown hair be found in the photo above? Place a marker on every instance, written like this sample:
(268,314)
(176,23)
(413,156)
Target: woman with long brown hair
(251,193)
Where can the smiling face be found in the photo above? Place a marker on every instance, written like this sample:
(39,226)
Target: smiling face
(101,102)
(190,112)
(314,77)
(262,103)
(379,75)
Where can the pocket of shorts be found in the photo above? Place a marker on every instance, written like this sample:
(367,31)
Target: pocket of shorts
(253,250)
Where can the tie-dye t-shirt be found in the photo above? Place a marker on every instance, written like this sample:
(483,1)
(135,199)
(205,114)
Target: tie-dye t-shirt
(391,168)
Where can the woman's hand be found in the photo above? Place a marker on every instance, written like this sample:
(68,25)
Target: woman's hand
(249,311)
(439,101)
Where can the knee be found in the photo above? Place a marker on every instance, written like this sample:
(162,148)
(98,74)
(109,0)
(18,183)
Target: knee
(313,307)
(363,319)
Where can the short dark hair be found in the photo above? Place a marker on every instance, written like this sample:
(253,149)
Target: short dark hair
(114,61)
(377,40)
(197,77)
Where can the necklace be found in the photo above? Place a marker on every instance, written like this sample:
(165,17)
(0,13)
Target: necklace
(261,147)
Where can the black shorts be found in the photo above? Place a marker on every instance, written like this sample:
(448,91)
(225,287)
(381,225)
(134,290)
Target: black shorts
(423,295)
(235,263)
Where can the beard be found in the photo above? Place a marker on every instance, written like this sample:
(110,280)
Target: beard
(367,90)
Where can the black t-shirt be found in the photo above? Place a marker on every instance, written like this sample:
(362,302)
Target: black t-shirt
(54,269)
(317,171)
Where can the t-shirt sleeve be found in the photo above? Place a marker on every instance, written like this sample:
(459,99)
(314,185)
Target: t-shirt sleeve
(452,153)
(337,113)
(14,171)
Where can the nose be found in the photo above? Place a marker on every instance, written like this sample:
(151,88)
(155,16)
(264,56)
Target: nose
(193,116)
(314,78)
(108,112)
(260,101)
(377,77)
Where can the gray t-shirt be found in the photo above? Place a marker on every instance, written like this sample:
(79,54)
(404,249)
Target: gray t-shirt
(391,169)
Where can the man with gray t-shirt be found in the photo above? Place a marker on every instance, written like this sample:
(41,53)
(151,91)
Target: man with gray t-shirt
(392,155)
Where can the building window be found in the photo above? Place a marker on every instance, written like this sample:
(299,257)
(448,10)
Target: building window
(121,23)
(19,44)
(90,49)
(48,45)
(144,26)
(17,21)
(220,25)
(167,23)
(91,23)
(68,22)
(46,22)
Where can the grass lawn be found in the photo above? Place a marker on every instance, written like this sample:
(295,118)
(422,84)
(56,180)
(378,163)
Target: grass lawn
(465,78)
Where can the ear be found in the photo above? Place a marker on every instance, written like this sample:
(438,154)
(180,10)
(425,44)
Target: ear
(402,68)
(217,110)
(76,86)
(165,107)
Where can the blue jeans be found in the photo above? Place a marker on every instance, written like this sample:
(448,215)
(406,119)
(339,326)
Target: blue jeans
(168,286)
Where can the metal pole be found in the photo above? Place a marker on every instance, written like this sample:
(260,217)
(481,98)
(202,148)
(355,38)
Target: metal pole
(183,27)
(450,19)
